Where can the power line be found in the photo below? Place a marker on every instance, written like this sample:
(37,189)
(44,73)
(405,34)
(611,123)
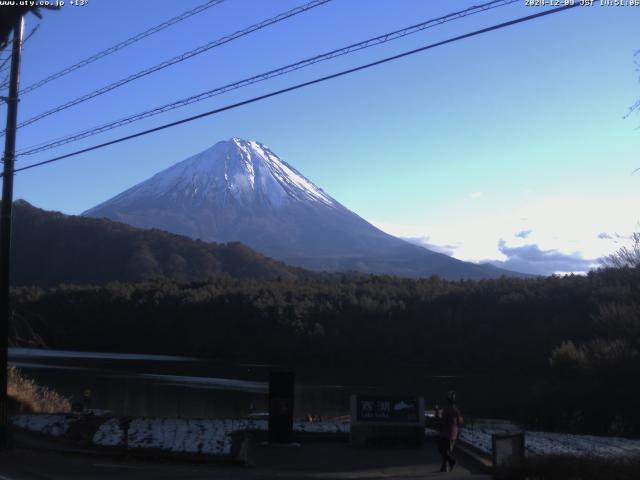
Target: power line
(387,37)
(33,30)
(301,85)
(5,82)
(177,59)
(4,65)
(121,45)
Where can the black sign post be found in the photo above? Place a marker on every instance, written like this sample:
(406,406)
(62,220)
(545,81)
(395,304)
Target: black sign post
(281,386)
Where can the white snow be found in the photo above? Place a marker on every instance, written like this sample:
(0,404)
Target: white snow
(289,180)
(246,170)
(207,437)
(110,434)
(478,438)
(250,424)
(54,425)
(546,443)
(178,435)
(213,437)
(197,436)
(291,177)
(321,427)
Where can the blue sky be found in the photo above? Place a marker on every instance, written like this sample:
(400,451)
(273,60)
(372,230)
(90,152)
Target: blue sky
(509,147)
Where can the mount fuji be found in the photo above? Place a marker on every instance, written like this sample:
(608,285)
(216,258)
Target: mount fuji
(240,190)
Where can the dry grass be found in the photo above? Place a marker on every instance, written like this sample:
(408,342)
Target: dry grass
(32,397)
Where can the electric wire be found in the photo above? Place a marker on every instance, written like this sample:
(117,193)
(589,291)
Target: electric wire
(4,65)
(387,37)
(301,85)
(121,45)
(177,59)
(5,82)
(6,62)
(31,33)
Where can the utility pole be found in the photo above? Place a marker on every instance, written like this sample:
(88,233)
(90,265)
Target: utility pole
(5,222)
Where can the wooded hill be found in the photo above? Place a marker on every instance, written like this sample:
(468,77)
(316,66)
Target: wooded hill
(49,248)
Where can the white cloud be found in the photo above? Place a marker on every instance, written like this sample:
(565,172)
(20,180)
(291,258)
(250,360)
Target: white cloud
(531,259)
(581,228)
(523,233)
(475,195)
(425,242)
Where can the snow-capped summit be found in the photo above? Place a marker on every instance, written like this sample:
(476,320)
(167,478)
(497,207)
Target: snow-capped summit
(240,171)
(240,190)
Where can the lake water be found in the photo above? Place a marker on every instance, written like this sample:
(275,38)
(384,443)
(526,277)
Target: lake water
(151,385)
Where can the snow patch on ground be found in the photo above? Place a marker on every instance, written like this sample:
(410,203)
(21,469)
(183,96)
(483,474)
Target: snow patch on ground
(214,437)
(480,439)
(196,436)
(110,434)
(207,437)
(545,443)
(250,425)
(321,427)
(54,425)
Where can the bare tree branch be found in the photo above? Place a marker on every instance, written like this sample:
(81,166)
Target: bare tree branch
(625,256)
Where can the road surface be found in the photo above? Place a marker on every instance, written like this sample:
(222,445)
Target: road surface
(311,460)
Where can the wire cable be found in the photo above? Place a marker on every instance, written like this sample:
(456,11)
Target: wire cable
(300,85)
(33,30)
(121,45)
(177,59)
(6,62)
(387,37)
(5,82)
(4,65)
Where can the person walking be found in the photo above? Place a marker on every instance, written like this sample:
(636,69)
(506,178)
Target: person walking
(449,428)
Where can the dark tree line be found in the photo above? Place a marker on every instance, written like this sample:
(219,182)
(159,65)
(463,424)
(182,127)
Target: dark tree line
(49,248)
(579,335)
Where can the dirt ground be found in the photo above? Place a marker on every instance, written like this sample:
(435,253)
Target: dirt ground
(312,459)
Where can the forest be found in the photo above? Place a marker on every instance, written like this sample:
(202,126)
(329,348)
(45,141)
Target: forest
(49,248)
(577,336)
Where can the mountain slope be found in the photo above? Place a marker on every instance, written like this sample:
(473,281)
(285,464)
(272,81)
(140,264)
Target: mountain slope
(49,248)
(240,190)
